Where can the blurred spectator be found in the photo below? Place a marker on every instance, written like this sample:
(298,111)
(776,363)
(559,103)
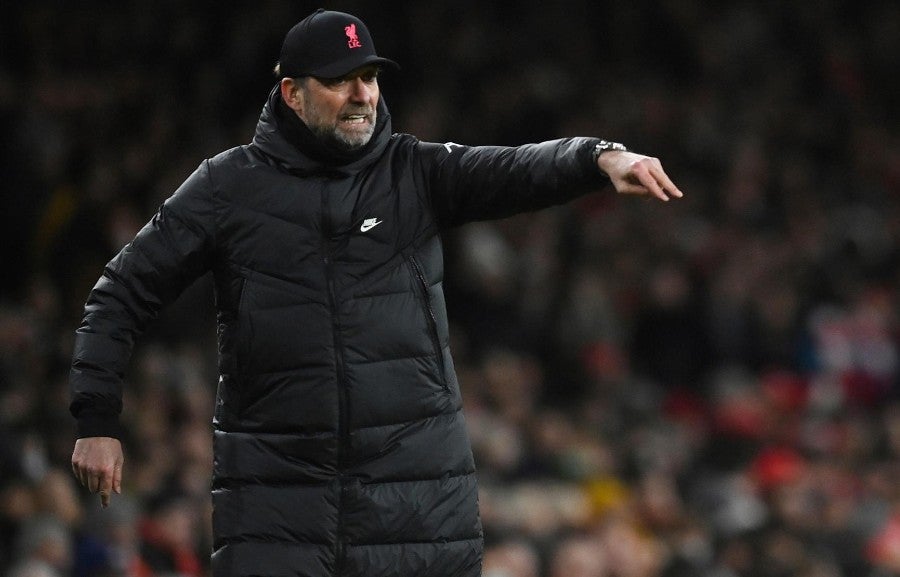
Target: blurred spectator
(511,559)
(168,537)
(43,547)
(578,557)
(110,542)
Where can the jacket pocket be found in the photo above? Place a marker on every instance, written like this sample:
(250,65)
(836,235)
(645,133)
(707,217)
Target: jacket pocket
(421,284)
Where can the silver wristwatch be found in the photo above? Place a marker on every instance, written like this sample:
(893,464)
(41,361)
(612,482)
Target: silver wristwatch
(606,146)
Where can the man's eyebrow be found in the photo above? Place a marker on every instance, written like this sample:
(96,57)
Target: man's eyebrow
(374,71)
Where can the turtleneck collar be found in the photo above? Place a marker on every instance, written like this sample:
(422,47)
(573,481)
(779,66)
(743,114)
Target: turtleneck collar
(283,135)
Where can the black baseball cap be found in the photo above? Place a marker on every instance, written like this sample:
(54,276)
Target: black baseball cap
(328,44)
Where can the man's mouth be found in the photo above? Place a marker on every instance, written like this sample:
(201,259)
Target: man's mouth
(355,118)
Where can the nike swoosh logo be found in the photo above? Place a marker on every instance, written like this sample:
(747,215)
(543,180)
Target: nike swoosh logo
(369,224)
(449,146)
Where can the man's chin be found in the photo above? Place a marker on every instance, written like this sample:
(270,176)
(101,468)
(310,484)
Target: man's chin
(354,142)
(345,141)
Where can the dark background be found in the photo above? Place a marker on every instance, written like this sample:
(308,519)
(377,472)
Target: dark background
(707,387)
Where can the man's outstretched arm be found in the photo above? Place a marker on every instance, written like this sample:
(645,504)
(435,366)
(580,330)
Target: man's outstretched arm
(467,183)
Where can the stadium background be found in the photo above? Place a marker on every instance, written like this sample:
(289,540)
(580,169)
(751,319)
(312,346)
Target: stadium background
(703,388)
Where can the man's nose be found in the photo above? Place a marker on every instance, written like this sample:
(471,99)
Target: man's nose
(360,91)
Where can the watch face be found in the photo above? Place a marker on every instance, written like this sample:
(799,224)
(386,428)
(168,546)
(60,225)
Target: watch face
(607,145)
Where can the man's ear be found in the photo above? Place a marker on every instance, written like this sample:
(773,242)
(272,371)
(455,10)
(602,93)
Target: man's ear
(291,94)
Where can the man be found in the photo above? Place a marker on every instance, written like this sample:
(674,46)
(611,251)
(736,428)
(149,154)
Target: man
(340,446)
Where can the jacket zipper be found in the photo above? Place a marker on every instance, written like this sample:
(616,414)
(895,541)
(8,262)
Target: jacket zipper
(343,409)
(432,319)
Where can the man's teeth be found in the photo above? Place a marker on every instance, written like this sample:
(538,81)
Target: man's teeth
(355,118)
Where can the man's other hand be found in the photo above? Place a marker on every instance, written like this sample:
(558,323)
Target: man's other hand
(97,464)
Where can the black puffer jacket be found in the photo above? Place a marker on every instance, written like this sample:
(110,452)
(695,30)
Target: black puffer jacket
(340,445)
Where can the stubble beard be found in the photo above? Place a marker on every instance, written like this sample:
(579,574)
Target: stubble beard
(333,135)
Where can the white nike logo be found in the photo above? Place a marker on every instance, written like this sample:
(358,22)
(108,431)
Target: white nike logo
(449,146)
(369,224)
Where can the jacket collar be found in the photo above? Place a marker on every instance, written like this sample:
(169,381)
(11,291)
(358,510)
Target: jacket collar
(284,137)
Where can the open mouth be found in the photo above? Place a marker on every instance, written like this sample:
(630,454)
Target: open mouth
(355,118)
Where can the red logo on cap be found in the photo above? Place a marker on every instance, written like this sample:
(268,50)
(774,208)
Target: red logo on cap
(351,34)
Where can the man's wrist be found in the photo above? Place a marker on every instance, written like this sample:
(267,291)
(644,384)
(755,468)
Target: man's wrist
(602,147)
(607,146)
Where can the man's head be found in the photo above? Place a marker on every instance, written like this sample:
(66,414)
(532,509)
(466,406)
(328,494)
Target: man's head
(329,77)
(340,111)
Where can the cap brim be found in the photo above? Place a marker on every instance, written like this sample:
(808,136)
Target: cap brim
(343,67)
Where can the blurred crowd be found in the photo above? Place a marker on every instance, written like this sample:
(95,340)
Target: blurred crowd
(705,388)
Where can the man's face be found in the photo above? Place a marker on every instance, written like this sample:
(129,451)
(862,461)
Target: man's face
(341,111)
